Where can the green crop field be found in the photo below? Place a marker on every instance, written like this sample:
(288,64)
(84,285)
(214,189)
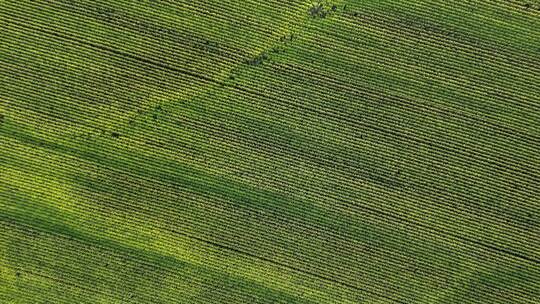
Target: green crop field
(278,151)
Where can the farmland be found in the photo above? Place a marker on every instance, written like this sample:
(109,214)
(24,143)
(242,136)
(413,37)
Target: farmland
(376,151)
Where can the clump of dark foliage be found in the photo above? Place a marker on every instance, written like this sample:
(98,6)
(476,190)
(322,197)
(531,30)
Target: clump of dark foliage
(321,10)
(257,60)
(317,10)
(157,113)
(529,6)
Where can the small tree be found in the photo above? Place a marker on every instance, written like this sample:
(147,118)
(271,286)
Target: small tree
(318,10)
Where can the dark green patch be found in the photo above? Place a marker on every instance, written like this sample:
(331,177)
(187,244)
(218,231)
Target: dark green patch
(322,9)
(258,60)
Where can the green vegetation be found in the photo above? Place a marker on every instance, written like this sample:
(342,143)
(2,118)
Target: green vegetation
(362,151)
